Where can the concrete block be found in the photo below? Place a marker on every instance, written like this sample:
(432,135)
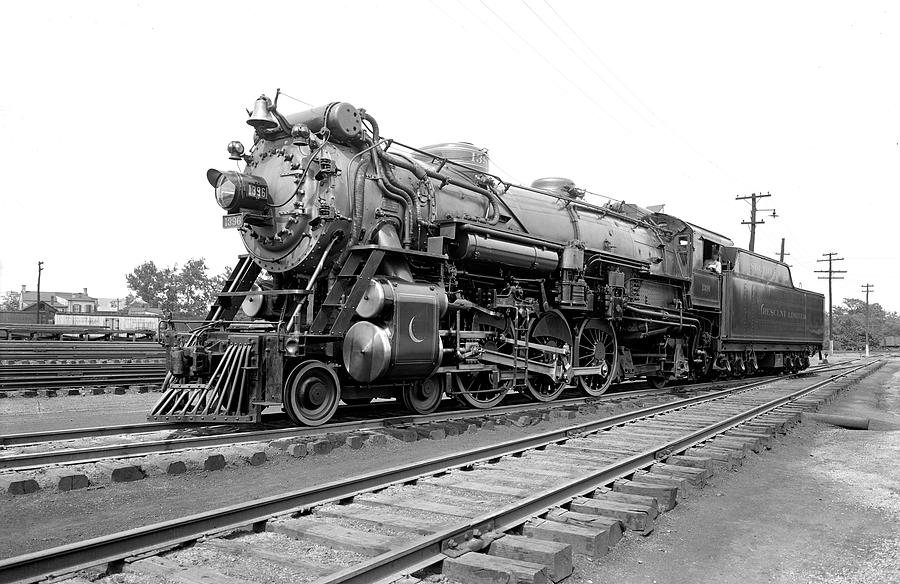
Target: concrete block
(556,556)
(121,472)
(430,432)
(402,434)
(73,392)
(119,390)
(666,496)
(98,390)
(284,443)
(321,447)
(252,456)
(17,484)
(297,450)
(374,439)
(588,541)
(355,441)
(475,568)
(67,479)
(50,393)
(28,393)
(520,421)
(214,462)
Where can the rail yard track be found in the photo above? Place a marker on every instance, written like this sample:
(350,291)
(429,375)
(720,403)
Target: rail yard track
(536,498)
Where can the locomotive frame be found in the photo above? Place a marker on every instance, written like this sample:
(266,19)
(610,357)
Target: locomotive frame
(406,273)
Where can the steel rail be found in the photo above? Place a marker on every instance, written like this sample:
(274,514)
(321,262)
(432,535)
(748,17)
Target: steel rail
(134,542)
(429,550)
(96,453)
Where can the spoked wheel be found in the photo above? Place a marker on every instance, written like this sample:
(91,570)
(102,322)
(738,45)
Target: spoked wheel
(423,397)
(476,390)
(596,346)
(549,329)
(311,393)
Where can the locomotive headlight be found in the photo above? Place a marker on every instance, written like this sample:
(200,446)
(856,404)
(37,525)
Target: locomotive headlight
(236,190)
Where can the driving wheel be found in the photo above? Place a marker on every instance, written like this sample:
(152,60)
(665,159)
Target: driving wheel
(549,329)
(596,346)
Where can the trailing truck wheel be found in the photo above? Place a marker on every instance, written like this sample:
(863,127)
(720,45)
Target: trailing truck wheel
(311,393)
(596,346)
(423,397)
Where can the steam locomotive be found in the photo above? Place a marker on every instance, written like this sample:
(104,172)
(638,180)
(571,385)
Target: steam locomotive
(379,270)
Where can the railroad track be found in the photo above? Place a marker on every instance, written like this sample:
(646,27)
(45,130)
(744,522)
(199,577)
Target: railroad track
(64,450)
(465,511)
(18,351)
(59,454)
(49,376)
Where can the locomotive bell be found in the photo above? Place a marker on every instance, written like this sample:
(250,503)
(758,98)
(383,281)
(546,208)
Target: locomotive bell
(262,119)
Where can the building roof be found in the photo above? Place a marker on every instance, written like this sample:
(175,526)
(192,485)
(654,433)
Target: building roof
(31,296)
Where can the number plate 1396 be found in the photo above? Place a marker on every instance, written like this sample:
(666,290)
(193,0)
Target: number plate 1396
(232,221)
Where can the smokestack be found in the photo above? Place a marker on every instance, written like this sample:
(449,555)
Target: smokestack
(85,291)
(22,298)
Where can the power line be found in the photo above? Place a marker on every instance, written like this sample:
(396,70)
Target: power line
(586,64)
(867,288)
(753,221)
(831,276)
(551,64)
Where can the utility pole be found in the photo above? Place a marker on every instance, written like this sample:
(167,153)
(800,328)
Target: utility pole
(867,288)
(753,222)
(782,253)
(40,269)
(831,276)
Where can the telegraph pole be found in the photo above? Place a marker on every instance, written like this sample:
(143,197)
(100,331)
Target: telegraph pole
(753,222)
(867,288)
(782,253)
(40,269)
(831,276)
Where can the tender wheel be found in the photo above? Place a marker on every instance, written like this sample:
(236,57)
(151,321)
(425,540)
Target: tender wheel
(549,329)
(311,393)
(739,368)
(423,397)
(596,346)
(477,391)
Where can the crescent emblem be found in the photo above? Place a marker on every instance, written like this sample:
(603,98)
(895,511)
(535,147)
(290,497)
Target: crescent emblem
(412,335)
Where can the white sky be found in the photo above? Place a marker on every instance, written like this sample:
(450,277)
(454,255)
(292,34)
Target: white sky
(110,114)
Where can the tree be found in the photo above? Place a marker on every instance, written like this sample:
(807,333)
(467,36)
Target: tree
(10,301)
(186,292)
(850,324)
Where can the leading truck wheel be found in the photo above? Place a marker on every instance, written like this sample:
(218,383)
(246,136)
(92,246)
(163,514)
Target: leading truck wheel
(596,346)
(475,390)
(311,393)
(423,397)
